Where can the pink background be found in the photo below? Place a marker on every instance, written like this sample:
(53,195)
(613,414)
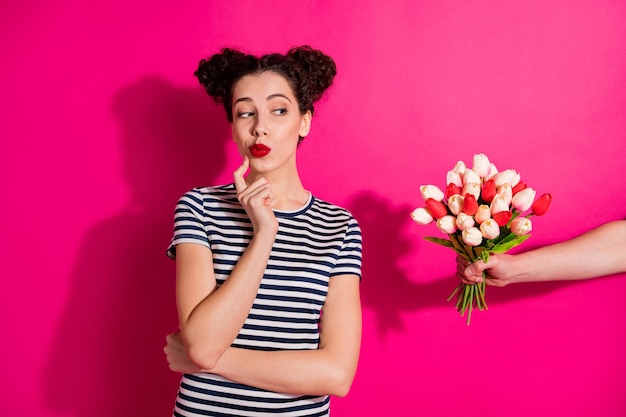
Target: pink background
(103,126)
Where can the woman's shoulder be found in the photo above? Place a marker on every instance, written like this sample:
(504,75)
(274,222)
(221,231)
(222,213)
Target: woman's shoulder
(210,195)
(326,208)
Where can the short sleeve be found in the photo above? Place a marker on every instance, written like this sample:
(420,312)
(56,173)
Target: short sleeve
(189,222)
(349,259)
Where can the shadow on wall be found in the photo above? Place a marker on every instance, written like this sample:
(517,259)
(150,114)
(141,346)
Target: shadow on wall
(387,288)
(107,359)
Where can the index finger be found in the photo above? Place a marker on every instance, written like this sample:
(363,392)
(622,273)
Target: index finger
(240,182)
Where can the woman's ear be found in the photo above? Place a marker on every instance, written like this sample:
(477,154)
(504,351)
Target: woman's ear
(305,124)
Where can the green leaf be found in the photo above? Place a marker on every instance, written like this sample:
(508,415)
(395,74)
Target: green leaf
(447,243)
(509,243)
(440,241)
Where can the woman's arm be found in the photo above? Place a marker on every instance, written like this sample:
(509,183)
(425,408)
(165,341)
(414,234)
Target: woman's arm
(328,370)
(209,317)
(598,252)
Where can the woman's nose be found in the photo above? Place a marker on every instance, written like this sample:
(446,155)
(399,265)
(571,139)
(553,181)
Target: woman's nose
(260,127)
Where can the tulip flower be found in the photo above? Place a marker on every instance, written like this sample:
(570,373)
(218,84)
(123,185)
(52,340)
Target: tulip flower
(521,226)
(481,165)
(452,189)
(489,191)
(470,205)
(490,229)
(472,236)
(509,176)
(493,171)
(422,216)
(472,188)
(464,221)
(455,204)
(471,177)
(541,205)
(431,191)
(506,191)
(482,213)
(454,177)
(498,204)
(502,217)
(437,208)
(519,187)
(524,199)
(447,224)
(460,167)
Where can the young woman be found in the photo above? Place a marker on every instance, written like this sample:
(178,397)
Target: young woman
(267,275)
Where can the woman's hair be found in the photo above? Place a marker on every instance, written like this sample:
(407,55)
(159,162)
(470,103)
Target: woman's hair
(308,71)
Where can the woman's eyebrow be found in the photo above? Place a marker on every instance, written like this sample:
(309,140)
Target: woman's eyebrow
(271,96)
(242,99)
(278,95)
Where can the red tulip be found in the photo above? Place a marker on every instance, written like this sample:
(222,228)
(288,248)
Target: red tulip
(519,187)
(437,208)
(502,217)
(470,205)
(489,191)
(452,189)
(541,205)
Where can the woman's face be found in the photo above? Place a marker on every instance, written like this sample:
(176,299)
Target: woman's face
(267,122)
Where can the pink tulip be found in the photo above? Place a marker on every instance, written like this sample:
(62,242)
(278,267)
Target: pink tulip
(521,226)
(523,200)
(470,205)
(490,229)
(506,191)
(422,216)
(541,205)
(481,165)
(455,204)
(509,176)
(471,177)
(498,204)
(492,172)
(460,168)
(464,221)
(472,188)
(454,177)
(447,224)
(472,236)
(482,213)
(431,191)
(437,208)
(502,217)
(488,191)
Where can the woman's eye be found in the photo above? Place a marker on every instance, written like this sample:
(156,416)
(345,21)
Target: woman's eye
(245,114)
(280,111)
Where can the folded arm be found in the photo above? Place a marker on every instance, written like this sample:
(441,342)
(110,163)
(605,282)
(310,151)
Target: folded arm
(328,370)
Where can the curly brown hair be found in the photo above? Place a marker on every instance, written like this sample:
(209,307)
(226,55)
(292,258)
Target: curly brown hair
(308,71)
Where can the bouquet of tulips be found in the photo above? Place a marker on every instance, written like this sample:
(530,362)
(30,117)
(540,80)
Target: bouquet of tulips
(482,211)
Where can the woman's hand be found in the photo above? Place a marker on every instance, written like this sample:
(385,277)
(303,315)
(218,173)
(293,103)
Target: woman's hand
(256,199)
(177,357)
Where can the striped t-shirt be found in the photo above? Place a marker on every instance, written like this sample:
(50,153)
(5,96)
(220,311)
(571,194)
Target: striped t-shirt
(313,244)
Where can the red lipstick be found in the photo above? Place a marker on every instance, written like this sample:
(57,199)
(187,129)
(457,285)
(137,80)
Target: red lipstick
(258,150)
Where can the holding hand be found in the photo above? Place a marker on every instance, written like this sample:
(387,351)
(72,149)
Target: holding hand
(256,199)
(497,270)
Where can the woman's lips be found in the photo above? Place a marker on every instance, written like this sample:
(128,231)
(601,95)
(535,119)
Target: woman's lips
(258,150)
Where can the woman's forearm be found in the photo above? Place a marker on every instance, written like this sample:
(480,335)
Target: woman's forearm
(300,372)
(215,321)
